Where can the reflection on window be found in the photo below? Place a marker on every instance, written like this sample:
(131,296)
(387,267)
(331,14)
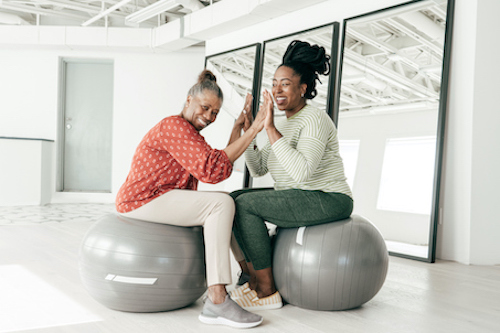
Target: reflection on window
(408,175)
(349,151)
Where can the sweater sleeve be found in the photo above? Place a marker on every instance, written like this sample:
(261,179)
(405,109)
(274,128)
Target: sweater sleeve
(257,159)
(301,162)
(192,152)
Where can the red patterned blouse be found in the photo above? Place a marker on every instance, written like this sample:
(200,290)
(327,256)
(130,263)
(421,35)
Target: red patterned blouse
(172,155)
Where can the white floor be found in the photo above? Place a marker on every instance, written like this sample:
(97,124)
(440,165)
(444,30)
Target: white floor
(40,289)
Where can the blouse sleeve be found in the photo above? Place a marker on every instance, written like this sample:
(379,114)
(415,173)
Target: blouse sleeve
(192,152)
(301,162)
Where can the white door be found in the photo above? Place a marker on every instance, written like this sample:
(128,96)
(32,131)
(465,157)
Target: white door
(87,122)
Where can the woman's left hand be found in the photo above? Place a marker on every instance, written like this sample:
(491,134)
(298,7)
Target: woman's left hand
(272,132)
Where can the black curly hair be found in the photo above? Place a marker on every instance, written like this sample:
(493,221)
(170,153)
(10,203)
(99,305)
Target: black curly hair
(307,61)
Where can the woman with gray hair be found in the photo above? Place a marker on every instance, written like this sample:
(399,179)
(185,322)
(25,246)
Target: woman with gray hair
(161,187)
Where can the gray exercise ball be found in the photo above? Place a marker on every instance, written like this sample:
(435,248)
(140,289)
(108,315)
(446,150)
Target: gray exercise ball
(333,266)
(138,266)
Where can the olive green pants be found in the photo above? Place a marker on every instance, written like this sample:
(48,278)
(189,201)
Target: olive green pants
(286,209)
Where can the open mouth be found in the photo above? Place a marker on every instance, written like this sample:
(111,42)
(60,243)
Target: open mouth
(280,100)
(202,123)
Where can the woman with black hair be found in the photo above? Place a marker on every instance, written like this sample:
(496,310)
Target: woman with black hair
(302,155)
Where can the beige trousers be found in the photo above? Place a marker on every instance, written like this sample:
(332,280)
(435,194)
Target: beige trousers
(212,210)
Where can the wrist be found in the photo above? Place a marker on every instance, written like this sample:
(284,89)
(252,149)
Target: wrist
(270,127)
(252,130)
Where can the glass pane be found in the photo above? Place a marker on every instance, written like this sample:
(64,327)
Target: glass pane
(407,175)
(235,75)
(349,150)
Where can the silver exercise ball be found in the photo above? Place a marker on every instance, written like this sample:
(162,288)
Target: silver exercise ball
(138,266)
(333,266)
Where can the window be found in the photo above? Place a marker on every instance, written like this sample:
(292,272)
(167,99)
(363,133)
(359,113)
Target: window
(349,151)
(408,175)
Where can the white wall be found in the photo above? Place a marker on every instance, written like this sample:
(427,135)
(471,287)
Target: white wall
(28,85)
(471,225)
(453,241)
(147,87)
(485,215)
(25,172)
(469,230)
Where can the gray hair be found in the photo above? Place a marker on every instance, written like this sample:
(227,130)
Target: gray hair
(206,81)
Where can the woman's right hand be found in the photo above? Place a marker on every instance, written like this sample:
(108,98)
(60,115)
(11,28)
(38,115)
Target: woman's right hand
(245,119)
(260,119)
(269,106)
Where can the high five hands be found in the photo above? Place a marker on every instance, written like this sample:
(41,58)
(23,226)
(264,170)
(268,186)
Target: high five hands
(264,118)
(238,143)
(268,108)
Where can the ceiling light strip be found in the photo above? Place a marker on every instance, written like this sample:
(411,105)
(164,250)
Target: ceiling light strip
(152,10)
(106,12)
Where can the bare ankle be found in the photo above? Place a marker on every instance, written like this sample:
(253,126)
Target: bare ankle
(244,267)
(217,293)
(252,283)
(265,292)
(265,282)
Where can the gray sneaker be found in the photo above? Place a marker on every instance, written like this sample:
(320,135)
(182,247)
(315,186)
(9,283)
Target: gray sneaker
(228,313)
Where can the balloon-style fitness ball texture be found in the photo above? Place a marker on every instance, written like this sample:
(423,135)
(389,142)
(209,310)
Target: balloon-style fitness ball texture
(138,266)
(333,266)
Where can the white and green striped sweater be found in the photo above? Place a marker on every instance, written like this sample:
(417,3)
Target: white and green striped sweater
(306,157)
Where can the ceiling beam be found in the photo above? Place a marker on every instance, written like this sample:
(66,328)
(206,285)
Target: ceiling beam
(385,74)
(41,11)
(106,12)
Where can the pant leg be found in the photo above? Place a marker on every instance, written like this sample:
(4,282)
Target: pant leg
(236,244)
(212,210)
(286,209)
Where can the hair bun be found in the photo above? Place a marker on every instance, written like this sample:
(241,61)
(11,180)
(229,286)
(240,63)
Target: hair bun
(206,75)
(206,81)
(312,55)
(307,61)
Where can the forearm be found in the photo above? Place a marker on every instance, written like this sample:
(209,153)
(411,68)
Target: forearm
(273,134)
(236,148)
(256,159)
(235,133)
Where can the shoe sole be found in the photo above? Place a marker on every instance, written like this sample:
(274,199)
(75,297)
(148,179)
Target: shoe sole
(227,322)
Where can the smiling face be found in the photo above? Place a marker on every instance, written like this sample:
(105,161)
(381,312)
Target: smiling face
(287,90)
(201,109)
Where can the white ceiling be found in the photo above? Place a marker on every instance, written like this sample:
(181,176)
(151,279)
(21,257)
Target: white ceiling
(85,24)
(77,12)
